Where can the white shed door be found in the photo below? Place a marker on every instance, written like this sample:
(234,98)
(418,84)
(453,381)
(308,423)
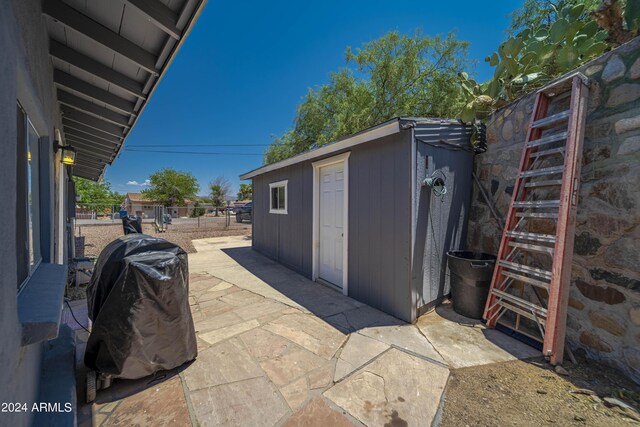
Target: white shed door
(331,223)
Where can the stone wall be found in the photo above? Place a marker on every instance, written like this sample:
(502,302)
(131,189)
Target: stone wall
(604,313)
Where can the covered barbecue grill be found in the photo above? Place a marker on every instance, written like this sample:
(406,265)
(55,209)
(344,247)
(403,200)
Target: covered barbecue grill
(138,302)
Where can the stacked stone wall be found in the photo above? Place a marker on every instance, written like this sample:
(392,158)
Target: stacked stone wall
(604,313)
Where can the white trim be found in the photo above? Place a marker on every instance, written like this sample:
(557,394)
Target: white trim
(315,253)
(359,138)
(285,184)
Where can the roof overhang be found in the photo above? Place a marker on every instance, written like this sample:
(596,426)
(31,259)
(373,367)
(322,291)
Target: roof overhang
(384,129)
(108,57)
(389,127)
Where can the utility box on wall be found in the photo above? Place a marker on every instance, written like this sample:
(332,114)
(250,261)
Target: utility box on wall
(357,214)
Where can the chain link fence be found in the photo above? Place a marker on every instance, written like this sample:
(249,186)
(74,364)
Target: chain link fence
(188,217)
(97,225)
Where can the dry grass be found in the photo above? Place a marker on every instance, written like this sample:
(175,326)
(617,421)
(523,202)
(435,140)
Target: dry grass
(91,239)
(527,393)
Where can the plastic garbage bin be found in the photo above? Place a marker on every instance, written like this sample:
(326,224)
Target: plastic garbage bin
(471,274)
(132,225)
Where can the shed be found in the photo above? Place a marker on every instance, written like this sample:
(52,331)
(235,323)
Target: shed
(357,215)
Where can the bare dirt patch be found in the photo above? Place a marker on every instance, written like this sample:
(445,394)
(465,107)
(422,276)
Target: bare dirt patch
(525,393)
(92,239)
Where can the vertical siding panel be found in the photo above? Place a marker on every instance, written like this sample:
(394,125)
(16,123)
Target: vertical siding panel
(440,225)
(379,226)
(379,222)
(278,236)
(402,302)
(388,220)
(306,211)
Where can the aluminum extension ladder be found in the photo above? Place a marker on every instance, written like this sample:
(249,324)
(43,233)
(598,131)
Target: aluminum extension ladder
(532,276)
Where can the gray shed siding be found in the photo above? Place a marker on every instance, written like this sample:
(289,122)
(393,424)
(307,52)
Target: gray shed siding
(285,238)
(379,222)
(441,224)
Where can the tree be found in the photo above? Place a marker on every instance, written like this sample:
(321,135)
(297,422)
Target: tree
(171,187)
(548,39)
(220,188)
(246,192)
(535,13)
(197,210)
(395,75)
(90,193)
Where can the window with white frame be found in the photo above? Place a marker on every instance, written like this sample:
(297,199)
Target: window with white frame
(28,250)
(278,197)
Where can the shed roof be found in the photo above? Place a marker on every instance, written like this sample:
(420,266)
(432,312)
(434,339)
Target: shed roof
(108,57)
(389,127)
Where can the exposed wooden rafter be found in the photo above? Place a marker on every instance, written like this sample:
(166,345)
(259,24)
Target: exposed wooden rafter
(68,124)
(67,81)
(159,14)
(92,88)
(82,104)
(75,20)
(101,71)
(91,121)
(72,133)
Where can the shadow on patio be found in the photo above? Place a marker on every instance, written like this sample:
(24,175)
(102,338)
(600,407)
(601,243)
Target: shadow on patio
(275,348)
(460,341)
(340,311)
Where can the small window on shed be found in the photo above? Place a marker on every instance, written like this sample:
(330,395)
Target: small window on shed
(278,192)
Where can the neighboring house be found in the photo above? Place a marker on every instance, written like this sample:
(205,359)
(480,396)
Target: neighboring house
(356,213)
(73,74)
(139,205)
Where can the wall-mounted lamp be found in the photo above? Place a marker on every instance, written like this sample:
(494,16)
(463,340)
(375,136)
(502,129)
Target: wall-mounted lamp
(68,153)
(68,156)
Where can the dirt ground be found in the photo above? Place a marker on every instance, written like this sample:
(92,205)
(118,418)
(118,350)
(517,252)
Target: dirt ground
(91,239)
(527,393)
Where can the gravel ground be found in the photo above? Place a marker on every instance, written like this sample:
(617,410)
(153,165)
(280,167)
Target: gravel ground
(530,393)
(91,239)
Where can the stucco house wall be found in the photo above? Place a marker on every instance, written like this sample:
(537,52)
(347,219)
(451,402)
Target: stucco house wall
(27,78)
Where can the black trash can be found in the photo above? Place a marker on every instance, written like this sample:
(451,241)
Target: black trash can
(131,225)
(471,274)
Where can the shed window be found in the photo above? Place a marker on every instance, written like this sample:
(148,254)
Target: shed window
(279,195)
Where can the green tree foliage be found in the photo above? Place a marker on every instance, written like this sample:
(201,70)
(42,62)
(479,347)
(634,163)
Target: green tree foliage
(535,13)
(219,188)
(171,187)
(246,192)
(632,16)
(197,210)
(395,75)
(548,39)
(91,193)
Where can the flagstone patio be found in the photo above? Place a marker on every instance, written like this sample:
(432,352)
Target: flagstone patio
(278,349)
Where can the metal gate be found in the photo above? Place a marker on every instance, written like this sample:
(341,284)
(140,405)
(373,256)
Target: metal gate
(158,220)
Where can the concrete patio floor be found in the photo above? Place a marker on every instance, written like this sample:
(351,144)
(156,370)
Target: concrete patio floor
(278,349)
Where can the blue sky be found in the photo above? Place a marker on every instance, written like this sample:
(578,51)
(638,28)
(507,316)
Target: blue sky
(246,65)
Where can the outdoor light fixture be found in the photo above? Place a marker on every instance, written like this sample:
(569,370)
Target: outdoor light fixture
(68,153)
(68,156)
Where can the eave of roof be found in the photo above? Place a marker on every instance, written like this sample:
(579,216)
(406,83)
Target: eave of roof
(108,59)
(389,127)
